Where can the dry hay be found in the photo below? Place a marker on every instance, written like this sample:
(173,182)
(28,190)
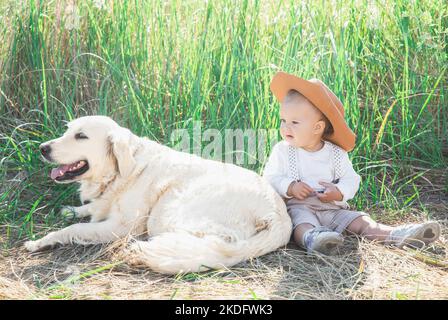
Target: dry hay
(363,270)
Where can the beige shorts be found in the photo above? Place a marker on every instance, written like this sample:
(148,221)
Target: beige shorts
(317,213)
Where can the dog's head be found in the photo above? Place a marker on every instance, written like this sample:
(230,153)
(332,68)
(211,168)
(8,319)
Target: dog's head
(91,148)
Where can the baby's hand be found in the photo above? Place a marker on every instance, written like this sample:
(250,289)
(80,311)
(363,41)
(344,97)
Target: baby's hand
(299,190)
(331,193)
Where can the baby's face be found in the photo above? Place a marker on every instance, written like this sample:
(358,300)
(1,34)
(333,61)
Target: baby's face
(298,123)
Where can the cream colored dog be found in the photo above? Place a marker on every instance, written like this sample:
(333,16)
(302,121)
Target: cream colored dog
(198,213)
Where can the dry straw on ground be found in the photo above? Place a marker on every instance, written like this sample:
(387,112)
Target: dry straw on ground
(363,270)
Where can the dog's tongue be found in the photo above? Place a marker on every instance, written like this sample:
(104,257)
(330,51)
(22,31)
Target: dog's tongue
(59,171)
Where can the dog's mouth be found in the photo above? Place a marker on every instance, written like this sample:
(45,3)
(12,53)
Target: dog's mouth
(69,171)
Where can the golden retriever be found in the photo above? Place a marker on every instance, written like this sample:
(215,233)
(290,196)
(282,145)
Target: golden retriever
(198,213)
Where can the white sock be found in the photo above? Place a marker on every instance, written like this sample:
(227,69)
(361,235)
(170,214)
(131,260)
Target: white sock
(305,235)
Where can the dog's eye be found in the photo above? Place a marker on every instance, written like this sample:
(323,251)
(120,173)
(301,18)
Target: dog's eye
(80,135)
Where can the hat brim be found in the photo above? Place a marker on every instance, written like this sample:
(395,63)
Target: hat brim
(323,99)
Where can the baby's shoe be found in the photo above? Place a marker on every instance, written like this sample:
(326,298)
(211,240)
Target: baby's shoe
(415,235)
(322,240)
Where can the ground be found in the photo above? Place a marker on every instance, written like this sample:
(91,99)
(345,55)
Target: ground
(362,270)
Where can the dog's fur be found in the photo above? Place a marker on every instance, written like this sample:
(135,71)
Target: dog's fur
(198,213)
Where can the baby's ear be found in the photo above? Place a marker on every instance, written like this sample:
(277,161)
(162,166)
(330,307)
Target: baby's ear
(319,127)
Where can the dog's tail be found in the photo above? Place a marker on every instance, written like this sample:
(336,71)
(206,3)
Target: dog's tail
(175,252)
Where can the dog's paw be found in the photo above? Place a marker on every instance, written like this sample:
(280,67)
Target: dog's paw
(68,212)
(38,245)
(32,246)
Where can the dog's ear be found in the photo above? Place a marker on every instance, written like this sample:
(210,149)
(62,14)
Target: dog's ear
(123,145)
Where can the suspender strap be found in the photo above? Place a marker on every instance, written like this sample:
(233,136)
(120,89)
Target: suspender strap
(335,158)
(293,160)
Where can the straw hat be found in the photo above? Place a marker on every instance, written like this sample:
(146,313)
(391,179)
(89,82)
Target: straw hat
(323,99)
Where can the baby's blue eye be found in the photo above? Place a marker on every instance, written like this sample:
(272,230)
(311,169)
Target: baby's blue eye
(295,122)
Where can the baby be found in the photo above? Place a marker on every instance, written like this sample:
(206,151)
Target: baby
(311,169)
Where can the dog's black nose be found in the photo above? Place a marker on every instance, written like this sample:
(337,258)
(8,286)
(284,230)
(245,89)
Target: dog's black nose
(45,149)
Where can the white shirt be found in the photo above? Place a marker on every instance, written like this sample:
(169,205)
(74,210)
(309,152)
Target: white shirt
(313,167)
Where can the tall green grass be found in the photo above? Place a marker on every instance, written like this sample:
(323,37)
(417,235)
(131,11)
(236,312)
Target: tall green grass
(157,66)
